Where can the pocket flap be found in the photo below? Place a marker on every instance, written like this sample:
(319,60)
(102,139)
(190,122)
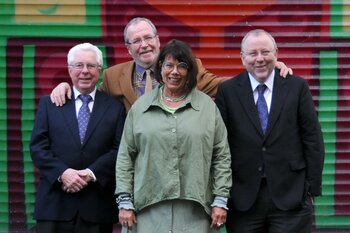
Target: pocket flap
(297,165)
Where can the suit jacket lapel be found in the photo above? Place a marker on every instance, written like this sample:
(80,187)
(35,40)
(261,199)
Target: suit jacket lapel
(69,113)
(280,91)
(245,95)
(99,109)
(126,82)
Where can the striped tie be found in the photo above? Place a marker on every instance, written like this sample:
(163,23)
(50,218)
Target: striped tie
(84,116)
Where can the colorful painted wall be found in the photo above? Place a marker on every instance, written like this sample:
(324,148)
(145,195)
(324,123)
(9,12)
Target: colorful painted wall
(313,38)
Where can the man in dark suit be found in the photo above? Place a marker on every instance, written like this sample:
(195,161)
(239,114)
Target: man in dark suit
(75,152)
(275,141)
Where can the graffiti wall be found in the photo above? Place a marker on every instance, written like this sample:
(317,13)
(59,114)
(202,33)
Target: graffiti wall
(313,38)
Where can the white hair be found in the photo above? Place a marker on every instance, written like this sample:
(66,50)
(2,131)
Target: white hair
(84,47)
(135,21)
(258,32)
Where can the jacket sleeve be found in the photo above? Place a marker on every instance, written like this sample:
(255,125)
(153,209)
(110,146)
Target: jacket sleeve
(221,163)
(125,159)
(208,82)
(313,146)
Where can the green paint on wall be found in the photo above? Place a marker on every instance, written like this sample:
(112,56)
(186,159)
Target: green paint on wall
(325,216)
(339,22)
(29,20)
(105,65)
(4,207)
(27,117)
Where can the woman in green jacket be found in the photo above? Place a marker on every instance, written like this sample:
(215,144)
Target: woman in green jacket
(173,167)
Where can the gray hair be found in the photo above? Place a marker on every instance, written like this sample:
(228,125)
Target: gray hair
(258,32)
(84,47)
(136,21)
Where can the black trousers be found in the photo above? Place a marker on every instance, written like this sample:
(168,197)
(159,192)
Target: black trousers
(76,225)
(265,217)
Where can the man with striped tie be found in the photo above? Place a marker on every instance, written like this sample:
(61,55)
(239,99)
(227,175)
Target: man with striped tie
(74,148)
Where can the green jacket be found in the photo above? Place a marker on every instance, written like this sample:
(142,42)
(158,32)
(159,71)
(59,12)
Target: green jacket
(164,156)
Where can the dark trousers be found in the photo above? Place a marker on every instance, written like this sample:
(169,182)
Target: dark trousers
(265,217)
(76,225)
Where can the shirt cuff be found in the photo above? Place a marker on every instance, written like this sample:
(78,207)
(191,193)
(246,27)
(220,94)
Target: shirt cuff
(92,175)
(124,201)
(220,202)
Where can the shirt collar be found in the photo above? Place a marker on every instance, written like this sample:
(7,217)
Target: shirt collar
(268,82)
(153,99)
(140,70)
(77,93)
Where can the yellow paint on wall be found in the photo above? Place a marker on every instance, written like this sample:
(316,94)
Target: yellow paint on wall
(346,15)
(50,11)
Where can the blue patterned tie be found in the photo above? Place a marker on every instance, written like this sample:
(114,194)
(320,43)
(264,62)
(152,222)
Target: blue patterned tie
(84,115)
(262,107)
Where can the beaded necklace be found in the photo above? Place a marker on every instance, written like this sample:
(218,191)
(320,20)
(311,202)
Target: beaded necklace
(173,100)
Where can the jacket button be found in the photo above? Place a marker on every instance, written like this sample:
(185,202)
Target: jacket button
(260,169)
(263,149)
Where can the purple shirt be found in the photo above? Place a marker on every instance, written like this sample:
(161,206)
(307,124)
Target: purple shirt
(139,80)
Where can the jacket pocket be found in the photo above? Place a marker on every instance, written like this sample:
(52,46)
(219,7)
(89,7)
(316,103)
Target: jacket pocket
(297,165)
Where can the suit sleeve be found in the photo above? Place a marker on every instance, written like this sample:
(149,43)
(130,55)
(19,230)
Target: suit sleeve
(312,139)
(48,164)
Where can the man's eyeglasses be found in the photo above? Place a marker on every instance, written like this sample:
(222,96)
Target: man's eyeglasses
(89,66)
(181,67)
(138,41)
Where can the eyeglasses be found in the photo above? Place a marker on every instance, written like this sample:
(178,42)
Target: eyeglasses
(138,41)
(254,53)
(89,66)
(181,67)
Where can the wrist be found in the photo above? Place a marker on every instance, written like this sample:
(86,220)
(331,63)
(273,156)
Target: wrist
(91,175)
(125,202)
(220,202)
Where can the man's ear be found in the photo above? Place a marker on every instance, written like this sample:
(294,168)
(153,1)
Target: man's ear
(242,59)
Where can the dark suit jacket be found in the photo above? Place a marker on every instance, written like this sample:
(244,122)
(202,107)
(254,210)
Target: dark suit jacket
(292,149)
(55,146)
(117,81)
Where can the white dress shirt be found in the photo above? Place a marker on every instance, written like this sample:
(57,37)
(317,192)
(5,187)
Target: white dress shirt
(268,91)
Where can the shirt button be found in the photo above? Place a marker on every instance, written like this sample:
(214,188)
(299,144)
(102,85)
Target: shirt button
(173,130)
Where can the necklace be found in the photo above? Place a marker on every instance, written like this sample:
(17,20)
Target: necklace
(173,100)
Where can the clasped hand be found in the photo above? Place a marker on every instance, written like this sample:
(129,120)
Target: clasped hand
(75,180)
